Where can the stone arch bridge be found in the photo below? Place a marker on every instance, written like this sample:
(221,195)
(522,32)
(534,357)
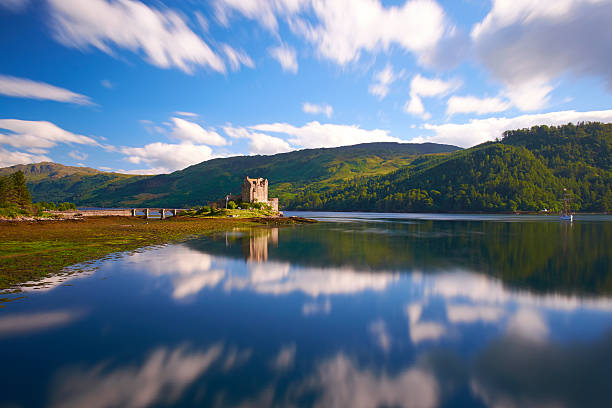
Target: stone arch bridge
(163,213)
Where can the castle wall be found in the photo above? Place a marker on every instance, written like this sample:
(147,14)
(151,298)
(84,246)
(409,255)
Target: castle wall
(256,191)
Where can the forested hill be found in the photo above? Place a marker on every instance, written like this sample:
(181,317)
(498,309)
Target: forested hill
(289,174)
(527,170)
(53,182)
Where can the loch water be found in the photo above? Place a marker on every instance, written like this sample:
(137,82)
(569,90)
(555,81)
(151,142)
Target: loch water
(358,310)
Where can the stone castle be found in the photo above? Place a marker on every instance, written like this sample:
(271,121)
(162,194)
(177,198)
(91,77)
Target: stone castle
(255,190)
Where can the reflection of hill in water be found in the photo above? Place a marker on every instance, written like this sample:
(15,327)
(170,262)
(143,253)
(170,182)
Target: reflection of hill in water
(542,256)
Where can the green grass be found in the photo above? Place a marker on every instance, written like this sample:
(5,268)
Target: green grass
(13,212)
(232,213)
(33,250)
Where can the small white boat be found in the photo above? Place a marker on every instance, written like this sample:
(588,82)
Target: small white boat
(566,214)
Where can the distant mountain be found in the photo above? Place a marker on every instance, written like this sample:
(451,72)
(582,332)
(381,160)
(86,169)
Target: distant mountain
(58,183)
(289,175)
(527,170)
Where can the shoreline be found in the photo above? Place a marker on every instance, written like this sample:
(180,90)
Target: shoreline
(32,250)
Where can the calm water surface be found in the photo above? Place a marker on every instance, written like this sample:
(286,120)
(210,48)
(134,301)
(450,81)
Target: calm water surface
(359,310)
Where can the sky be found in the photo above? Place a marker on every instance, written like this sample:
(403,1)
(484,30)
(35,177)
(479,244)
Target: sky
(150,87)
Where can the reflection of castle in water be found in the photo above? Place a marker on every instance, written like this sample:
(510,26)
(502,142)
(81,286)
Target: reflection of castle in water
(255,249)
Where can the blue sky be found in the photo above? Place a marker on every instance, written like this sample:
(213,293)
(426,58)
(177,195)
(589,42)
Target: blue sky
(155,86)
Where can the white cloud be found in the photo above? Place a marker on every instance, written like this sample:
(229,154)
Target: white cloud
(315,134)
(348,27)
(165,158)
(473,104)
(162,36)
(189,271)
(528,324)
(529,95)
(25,88)
(528,44)
(285,358)
(264,11)
(192,132)
(25,323)
(107,84)
(425,87)
(160,379)
(78,155)
(236,358)
(313,308)
(383,80)
(236,58)
(10,158)
(202,21)
(315,109)
(14,5)
(343,384)
(482,290)
(275,279)
(415,106)
(342,29)
(38,134)
(471,314)
(181,113)
(265,144)
(260,142)
(422,330)
(286,57)
(378,330)
(481,130)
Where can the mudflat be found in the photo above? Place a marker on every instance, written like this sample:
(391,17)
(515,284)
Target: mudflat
(32,250)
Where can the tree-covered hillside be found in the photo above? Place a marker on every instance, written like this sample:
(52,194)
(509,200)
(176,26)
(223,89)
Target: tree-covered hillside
(58,183)
(526,171)
(289,173)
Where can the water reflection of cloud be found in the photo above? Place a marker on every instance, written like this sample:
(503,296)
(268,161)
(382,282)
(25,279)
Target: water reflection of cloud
(282,278)
(190,271)
(25,323)
(378,330)
(51,282)
(236,358)
(482,289)
(471,314)
(422,330)
(528,324)
(313,308)
(285,358)
(339,382)
(160,379)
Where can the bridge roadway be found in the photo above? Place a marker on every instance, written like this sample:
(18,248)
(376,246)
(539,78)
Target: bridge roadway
(119,212)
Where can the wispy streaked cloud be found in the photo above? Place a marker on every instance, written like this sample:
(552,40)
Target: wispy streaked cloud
(162,36)
(286,57)
(26,88)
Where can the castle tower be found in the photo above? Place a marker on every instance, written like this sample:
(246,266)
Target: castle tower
(255,190)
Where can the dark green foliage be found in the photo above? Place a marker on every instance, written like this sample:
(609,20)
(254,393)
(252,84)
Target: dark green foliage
(256,206)
(13,191)
(231,205)
(526,171)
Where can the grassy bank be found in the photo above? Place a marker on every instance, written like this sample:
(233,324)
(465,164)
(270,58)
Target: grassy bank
(32,250)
